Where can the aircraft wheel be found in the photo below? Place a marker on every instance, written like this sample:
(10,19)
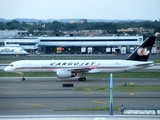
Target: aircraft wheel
(23,79)
(82,79)
(79,79)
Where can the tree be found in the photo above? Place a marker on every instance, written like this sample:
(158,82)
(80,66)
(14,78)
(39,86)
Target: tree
(13,25)
(158,40)
(24,26)
(56,26)
(30,32)
(2,26)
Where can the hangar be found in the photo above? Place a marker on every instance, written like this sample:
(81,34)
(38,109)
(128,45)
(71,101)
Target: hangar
(77,45)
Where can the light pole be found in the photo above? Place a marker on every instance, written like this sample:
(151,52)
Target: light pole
(111,95)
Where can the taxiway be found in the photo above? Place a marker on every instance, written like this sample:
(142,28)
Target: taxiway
(47,96)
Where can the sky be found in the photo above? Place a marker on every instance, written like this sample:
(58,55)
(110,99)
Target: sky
(83,9)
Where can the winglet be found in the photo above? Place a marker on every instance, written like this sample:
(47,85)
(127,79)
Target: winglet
(143,51)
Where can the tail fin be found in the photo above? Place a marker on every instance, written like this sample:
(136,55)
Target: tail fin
(143,51)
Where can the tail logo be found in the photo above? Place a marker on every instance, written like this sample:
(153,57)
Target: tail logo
(143,51)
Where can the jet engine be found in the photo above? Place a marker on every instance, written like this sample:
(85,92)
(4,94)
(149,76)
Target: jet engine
(65,74)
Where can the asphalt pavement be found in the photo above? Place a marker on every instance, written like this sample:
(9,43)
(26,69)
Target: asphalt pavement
(47,96)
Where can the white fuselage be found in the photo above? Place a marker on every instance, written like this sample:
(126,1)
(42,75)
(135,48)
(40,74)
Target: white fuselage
(84,66)
(12,51)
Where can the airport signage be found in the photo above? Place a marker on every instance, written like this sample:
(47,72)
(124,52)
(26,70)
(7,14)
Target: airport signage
(6,50)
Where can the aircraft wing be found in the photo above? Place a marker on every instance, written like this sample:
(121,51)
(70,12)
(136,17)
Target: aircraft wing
(145,64)
(84,68)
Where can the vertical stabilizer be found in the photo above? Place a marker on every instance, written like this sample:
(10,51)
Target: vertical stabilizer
(143,51)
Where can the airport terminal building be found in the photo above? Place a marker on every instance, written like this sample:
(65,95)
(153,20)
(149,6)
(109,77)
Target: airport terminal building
(77,45)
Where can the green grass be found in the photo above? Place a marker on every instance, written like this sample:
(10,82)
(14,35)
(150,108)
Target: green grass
(6,61)
(29,74)
(126,75)
(9,61)
(157,61)
(129,88)
(104,108)
(100,75)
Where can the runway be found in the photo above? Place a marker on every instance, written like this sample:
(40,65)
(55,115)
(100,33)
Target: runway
(47,96)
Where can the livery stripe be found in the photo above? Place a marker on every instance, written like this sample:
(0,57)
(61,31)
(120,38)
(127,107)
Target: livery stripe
(71,68)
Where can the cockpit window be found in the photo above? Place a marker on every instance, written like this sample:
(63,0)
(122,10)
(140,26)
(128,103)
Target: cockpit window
(11,65)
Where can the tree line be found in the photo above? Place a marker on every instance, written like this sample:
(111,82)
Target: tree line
(110,27)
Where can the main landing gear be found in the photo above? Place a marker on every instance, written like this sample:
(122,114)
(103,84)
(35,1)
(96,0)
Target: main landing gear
(81,78)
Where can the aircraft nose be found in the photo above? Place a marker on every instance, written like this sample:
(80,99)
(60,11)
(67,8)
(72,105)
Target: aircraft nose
(6,69)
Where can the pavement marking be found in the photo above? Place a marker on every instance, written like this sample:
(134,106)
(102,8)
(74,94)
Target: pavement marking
(83,83)
(131,83)
(131,93)
(47,92)
(100,102)
(3,87)
(12,93)
(89,93)
(39,84)
(18,80)
(4,106)
(38,105)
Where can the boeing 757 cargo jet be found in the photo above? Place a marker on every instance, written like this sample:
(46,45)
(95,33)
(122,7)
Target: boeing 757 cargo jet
(72,68)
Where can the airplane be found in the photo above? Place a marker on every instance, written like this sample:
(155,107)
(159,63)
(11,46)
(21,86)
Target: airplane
(12,51)
(72,68)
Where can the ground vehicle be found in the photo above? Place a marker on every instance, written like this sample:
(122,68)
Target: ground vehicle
(154,51)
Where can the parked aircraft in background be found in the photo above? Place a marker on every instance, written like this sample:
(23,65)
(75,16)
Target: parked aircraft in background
(71,68)
(12,51)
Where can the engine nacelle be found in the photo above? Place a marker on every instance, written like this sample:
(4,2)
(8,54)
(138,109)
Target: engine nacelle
(65,74)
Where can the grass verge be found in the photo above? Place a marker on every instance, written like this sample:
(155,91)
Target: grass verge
(100,75)
(9,61)
(129,88)
(126,75)
(89,109)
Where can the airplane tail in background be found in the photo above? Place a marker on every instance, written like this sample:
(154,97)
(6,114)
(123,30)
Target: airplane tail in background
(143,51)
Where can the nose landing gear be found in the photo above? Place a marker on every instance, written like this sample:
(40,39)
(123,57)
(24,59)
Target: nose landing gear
(23,79)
